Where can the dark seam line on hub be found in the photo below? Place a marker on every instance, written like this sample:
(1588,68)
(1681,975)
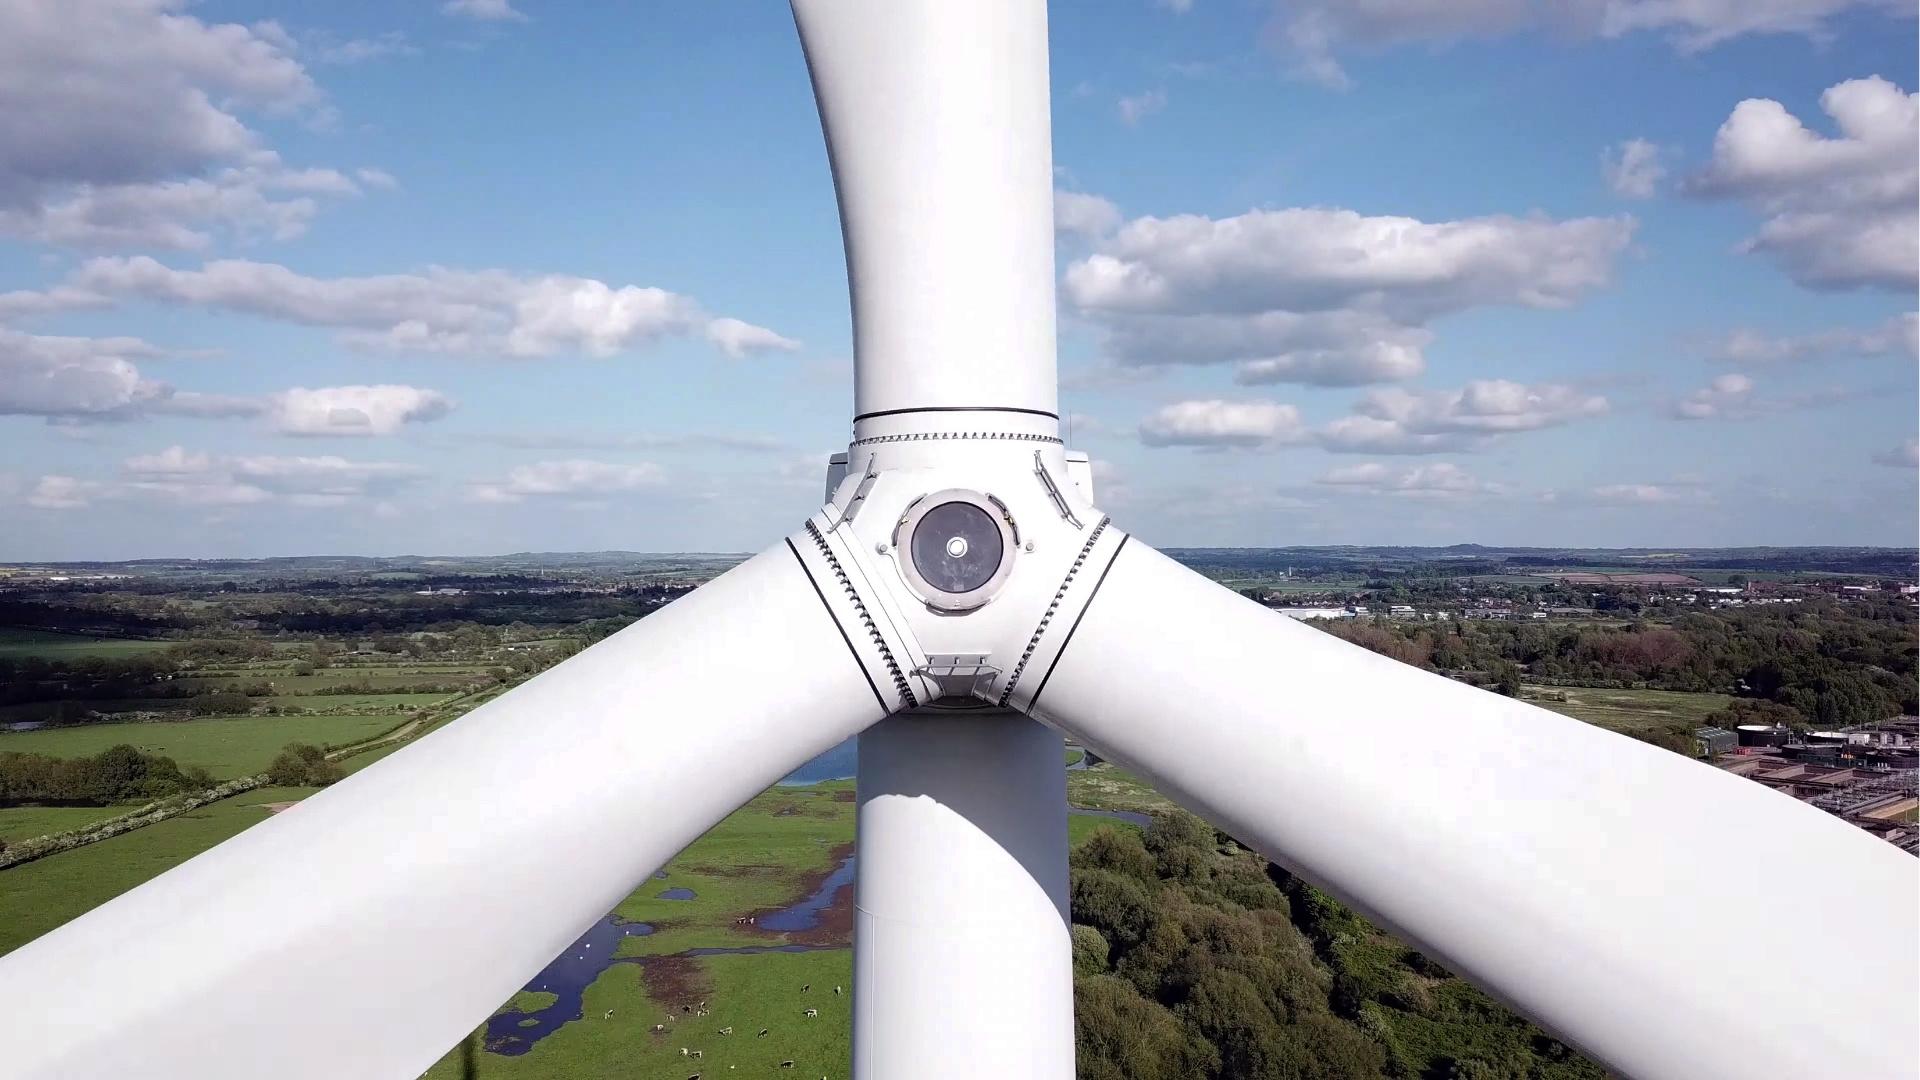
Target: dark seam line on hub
(957,408)
(871,685)
(1034,702)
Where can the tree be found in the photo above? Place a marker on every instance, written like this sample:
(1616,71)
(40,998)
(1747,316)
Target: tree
(1090,951)
(1118,906)
(1119,1035)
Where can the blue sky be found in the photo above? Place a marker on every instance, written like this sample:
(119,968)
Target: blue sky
(482,277)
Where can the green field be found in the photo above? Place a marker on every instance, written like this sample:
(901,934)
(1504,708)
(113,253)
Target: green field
(26,822)
(224,746)
(1628,711)
(37,896)
(20,644)
(357,702)
(380,680)
(770,853)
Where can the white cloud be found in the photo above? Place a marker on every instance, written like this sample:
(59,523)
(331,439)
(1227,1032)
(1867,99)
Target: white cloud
(739,339)
(1324,296)
(182,477)
(263,199)
(1387,421)
(1309,34)
(26,303)
(483,10)
(326,48)
(1899,335)
(120,127)
(1137,107)
(354,410)
(575,478)
(1441,480)
(62,493)
(1633,169)
(1221,424)
(1904,456)
(201,479)
(1396,421)
(1630,494)
(1727,397)
(1732,397)
(1076,213)
(73,376)
(1838,212)
(488,312)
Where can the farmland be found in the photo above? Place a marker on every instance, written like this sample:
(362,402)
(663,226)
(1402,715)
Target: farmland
(224,746)
(1628,712)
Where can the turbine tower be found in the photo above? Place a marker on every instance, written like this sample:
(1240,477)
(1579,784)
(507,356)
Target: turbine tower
(959,601)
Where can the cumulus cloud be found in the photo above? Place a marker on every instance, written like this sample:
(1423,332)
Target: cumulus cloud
(1311,34)
(1076,213)
(1137,107)
(485,312)
(120,126)
(1898,336)
(1837,211)
(483,10)
(354,410)
(1727,397)
(1904,456)
(1387,421)
(57,492)
(1396,421)
(73,376)
(1633,169)
(1637,494)
(1441,480)
(575,479)
(1324,296)
(739,339)
(1732,397)
(183,477)
(1218,423)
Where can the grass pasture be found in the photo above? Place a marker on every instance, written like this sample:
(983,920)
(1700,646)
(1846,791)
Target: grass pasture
(1628,711)
(35,897)
(19,823)
(224,746)
(47,645)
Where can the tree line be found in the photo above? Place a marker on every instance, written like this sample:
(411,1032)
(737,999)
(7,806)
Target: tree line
(1193,957)
(1817,664)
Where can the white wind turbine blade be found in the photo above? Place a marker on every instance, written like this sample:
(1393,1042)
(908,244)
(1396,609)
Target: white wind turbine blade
(936,119)
(366,930)
(1651,909)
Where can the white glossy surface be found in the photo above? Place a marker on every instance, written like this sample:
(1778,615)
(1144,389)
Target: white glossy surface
(366,930)
(963,967)
(936,117)
(1674,920)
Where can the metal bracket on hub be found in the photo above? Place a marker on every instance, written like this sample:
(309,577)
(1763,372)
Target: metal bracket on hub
(959,674)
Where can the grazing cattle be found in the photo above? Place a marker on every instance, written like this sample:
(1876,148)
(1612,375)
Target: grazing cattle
(728,1030)
(657,1027)
(811,1013)
(788,1064)
(609,1015)
(683,1051)
(836,990)
(763,1032)
(698,1053)
(806,988)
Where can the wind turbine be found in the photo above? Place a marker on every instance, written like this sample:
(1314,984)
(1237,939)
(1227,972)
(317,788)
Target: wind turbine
(959,586)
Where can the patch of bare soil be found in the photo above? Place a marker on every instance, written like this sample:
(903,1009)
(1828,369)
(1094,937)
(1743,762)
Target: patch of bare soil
(676,983)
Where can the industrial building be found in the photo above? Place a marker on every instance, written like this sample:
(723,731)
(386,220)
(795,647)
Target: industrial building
(1867,775)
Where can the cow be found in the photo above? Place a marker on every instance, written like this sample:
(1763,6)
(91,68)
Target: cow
(811,1014)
